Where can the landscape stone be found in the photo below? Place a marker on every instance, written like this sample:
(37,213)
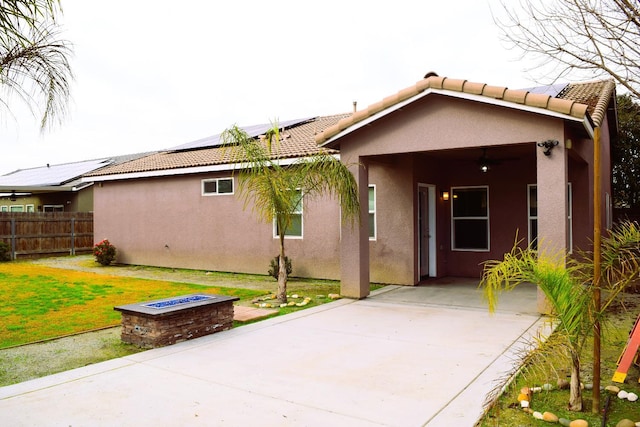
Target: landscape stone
(563,384)
(550,417)
(612,389)
(537,415)
(622,394)
(632,397)
(578,423)
(626,423)
(547,387)
(564,422)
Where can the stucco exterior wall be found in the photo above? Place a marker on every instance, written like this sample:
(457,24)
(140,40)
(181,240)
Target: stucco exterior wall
(167,222)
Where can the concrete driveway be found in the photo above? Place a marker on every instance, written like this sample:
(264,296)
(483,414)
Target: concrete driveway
(402,357)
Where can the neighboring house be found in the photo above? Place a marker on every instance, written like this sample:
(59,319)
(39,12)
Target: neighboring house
(53,188)
(451,173)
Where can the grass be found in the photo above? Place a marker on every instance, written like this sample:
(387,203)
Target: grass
(39,303)
(507,412)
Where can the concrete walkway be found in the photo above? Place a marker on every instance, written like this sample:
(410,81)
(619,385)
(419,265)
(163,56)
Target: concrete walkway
(402,357)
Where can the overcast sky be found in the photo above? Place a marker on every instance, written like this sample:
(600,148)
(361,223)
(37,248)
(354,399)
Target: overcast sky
(153,74)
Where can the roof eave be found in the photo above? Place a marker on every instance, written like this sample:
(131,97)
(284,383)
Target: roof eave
(183,171)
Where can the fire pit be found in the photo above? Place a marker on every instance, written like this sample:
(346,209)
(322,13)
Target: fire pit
(167,321)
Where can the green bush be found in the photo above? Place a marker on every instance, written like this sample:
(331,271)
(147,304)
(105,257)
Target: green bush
(275,267)
(5,252)
(104,252)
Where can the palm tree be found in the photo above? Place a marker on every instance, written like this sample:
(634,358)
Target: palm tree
(275,191)
(33,62)
(568,287)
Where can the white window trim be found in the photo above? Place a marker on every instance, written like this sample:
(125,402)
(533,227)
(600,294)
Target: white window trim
(44,208)
(453,248)
(32,206)
(4,208)
(374,212)
(529,216)
(217,180)
(17,206)
(301,213)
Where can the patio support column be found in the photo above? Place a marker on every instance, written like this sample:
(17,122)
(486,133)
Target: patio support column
(354,244)
(552,184)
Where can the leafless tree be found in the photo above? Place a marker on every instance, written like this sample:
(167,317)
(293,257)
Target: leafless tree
(589,38)
(34,64)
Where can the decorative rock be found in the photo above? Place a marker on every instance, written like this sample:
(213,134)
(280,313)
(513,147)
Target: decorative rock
(564,422)
(525,390)
(547,387)
(588,386)
(550,417)
(283,305)
(638,424)
(295,296)
(626,423)
(578,423)
(622,394)
(612,389)
(522,397)
(563,384)
(632,397)
(536,389)
(537,415)
(528,411)
(524,403)
(333,296)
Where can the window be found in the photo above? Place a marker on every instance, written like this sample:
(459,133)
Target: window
(470,218)
(53,208)
(533,216)
(295,228)
(4,208)
(16,208)
(31,208)
(211,187)
(372,212)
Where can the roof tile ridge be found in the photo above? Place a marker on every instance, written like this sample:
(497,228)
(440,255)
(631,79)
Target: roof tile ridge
(603,102)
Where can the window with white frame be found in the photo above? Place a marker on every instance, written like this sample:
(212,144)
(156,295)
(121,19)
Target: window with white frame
(212,187)
(294,230)
(4,208)
(470,218)
(53,208)
(532,191)
(372,212)
(31,208)
(16,208)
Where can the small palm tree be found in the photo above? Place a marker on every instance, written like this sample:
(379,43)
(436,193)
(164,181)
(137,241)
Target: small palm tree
(568,288)
(275,191)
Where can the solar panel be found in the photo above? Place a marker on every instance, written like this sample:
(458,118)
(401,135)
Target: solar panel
(551,90)
(252,130)
(51,174)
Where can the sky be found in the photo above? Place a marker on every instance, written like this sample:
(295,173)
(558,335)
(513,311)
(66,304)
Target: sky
(155,74)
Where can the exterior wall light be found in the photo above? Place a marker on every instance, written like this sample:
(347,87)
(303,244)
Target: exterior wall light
(445,196)
(548,146)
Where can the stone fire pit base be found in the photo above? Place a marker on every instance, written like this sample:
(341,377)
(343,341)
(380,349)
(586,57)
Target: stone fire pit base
(168,321)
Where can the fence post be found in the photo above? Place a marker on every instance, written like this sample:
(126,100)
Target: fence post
(13,238)
(73,236)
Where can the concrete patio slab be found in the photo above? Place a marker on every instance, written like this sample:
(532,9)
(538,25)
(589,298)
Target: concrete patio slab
(381,361)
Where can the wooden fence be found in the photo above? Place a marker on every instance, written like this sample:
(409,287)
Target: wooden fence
(34,234)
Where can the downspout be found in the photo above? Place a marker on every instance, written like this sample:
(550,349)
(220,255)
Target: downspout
(597,224)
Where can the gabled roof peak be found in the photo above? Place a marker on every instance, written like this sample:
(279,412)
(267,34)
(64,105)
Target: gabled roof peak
(530,98)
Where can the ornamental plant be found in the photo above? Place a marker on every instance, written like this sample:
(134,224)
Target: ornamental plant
(104,252)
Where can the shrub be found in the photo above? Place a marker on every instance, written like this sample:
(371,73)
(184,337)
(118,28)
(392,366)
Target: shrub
(5,252)
(275,268)
(104,252)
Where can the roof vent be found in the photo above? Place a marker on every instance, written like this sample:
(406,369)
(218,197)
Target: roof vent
(431,74)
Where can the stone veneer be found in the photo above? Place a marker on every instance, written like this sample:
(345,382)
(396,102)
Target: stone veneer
(149,327)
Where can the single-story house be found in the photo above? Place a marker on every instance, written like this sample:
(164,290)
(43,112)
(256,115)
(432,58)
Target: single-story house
(450,174)
(53,188)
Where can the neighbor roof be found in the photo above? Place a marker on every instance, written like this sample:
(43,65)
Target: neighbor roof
(574,100)
(297,142)
(60,177)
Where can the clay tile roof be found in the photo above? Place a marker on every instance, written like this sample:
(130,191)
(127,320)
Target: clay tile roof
(296,142)
(575,100)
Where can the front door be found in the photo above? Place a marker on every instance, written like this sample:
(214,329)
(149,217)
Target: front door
(426,230)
